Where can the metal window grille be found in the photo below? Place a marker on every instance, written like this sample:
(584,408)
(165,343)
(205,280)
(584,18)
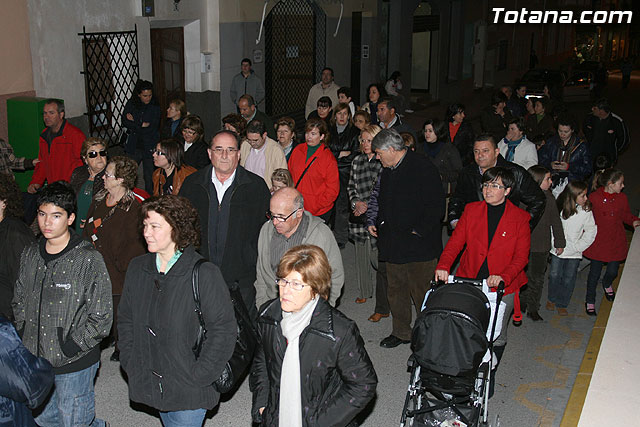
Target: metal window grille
(295,41)
(111,69)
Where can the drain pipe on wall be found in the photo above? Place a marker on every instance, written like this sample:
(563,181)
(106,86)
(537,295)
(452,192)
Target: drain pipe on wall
(264,10)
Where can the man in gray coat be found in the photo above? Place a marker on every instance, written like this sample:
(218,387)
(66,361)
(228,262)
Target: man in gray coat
(246,82)
(290,226)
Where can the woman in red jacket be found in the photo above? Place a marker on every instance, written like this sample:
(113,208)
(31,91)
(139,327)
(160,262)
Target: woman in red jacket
(498,238)
(315,170)
(610,211)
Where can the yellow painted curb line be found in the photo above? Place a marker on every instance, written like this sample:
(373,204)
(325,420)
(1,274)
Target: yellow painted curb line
(578,394)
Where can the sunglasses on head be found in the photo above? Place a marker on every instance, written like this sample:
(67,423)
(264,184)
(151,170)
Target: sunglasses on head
(94,154)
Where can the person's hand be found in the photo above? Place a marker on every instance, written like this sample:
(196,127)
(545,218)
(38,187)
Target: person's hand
(145,124)
(636,223)
(559,251)
(33,188)
(344,154)
(453,224)
(35,161)
(442,275)
(82,223)
(373,230)
(494,280)
(261,410)
(361,207)
(130,116)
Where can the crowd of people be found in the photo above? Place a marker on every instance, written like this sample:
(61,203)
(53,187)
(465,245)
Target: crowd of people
(114,263)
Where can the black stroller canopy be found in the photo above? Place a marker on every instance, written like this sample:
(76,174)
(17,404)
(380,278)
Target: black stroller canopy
(449,336)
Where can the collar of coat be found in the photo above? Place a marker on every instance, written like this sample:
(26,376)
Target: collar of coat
(204,176)
(321,321)
(182,267)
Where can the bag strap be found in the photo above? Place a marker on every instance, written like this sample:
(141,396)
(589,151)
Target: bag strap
(305,171)
(195,287)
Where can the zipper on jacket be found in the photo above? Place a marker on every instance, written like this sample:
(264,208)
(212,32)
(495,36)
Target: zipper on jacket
(232,193)
(159,382)
(40,315)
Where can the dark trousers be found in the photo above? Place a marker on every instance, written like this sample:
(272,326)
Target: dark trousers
(329,217)
(114,327)
(407,282)
(530,297)
(594,275)
(341,226)
(147,168)
(382,302)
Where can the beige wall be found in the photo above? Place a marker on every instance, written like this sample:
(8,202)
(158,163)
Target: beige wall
(16,78)
(15,66)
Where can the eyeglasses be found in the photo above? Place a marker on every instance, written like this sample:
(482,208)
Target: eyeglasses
(108,175)
(280,218)
(220,150)
(493,185)
(159,153)
(189,131)
(293,284)
(94,154)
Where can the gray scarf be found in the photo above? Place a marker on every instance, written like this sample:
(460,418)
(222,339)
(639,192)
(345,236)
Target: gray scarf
(292,325)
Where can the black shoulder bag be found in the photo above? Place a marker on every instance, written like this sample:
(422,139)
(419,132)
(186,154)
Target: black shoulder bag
(246,340)
(304,172)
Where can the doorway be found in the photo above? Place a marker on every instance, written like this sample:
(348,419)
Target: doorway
(424,23)
(167,61)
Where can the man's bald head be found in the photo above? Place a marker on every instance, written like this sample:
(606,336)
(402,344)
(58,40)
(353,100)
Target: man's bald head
(286,203)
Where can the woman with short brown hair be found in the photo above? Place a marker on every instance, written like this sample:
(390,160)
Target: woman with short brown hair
(311,367)
(315,171)
(195,147)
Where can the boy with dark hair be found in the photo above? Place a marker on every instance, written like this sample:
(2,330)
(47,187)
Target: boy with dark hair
(62,308)
(344,96)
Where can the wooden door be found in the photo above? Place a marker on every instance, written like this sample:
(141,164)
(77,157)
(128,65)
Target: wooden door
(167,59)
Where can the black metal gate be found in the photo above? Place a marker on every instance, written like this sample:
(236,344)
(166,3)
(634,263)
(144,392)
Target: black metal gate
(111,69)
(295,41)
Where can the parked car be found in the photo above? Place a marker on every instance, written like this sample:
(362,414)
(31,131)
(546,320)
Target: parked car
(537,78)
(578,87)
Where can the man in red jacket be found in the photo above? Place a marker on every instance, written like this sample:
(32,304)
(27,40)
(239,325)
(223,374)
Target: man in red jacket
(60,145)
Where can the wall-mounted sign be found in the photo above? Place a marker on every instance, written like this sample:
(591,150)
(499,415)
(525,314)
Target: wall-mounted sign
(257,56)
(365,51)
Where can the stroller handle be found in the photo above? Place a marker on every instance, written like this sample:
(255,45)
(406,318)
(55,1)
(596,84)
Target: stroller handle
(474,282)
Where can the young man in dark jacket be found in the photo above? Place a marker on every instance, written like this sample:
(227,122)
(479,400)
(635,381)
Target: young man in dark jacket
(62,307)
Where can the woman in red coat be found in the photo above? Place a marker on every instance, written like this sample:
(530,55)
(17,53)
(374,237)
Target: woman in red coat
(498,237)
(610,211)
(320,184)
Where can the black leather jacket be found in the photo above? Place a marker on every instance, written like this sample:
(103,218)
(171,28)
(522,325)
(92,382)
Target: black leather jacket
(525,190)
(337,376)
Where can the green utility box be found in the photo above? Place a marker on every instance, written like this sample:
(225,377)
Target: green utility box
(24,119)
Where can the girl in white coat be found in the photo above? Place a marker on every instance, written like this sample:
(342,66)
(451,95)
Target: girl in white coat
(579,231)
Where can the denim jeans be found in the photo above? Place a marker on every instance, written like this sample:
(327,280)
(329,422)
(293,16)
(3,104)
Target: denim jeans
(72,402)
(562,280)
(189,418)
(594,275)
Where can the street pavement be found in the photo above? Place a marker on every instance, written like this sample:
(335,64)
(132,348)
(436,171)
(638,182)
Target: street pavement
(537,371)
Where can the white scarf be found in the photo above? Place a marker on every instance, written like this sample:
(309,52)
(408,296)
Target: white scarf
(292,326)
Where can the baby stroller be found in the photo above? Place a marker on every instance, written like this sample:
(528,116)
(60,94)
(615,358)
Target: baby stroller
(452,343)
